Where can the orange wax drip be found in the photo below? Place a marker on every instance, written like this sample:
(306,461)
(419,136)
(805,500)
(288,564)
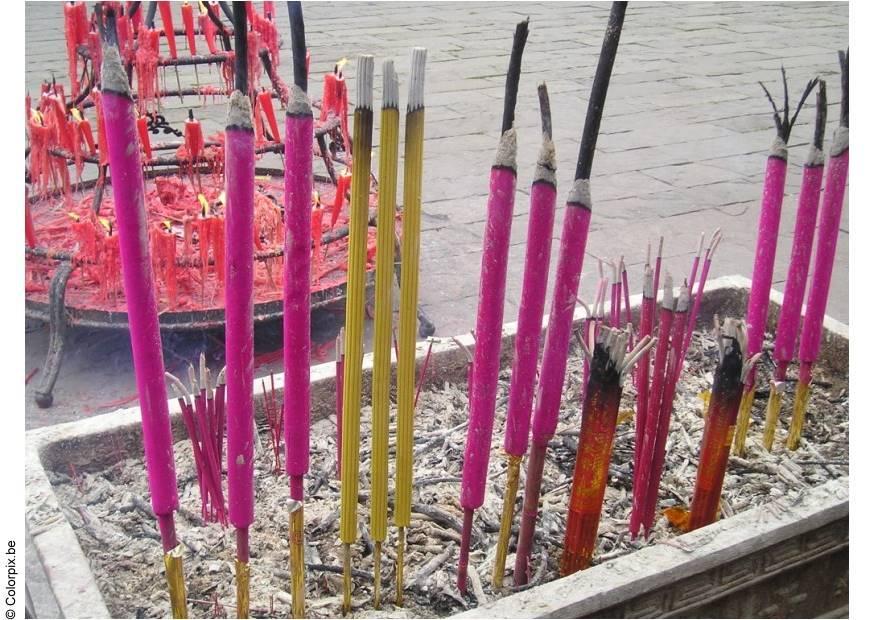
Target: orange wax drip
(29,232)
(316,233)
(590,474)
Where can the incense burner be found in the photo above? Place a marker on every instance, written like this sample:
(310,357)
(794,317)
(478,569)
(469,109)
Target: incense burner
(776,559)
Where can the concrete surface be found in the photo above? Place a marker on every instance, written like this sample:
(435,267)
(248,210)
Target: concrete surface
(684,138)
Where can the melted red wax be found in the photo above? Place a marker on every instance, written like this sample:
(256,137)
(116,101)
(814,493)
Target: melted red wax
(177,229)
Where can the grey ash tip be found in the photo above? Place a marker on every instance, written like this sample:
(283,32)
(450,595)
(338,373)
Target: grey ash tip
(239,111)
(112,73)
(505,156)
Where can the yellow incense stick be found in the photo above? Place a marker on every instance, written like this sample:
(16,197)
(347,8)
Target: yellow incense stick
(242,575)
(413,139)
(363,120)
(176,582)
(296,557)
(800,404)
(383,317)
(743,422)
(773,412)
(510,493)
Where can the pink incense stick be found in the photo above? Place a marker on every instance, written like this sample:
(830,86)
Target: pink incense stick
(239,283)
(490,309)
(127,188)
(663,421)
(790,315)
(624,286)
(827,238)
(296,286)
(542,210)
(767,243)
(644,449)
(695,268)
(657,270)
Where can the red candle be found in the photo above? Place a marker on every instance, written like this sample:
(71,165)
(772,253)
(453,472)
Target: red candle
(29,233)
(143,132)
(329,94)
(266,103)
(207,26)
(194,137)
(343,182)
(85,130)
(188,22)
(167,22)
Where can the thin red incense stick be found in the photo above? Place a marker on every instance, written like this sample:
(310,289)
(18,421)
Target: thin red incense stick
(657,270)
(694,270)
(722,412)
(767,243)
(118,110)
(578,211)
(542,209)
(644,448)
(642,372)
(672,372)
(610,362)
(624,286)
(827,237)
(697,300)
(239,283)
(490,309)
(790,316)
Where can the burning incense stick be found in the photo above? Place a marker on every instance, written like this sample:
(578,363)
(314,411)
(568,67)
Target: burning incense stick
(239,283)
(767,243)
(729,378)
(121,131)
(355,313)
(542,210)
(383,319)
(571,250)
(490,309)
(797,276)
(609,364)
(644,449)
(413,139)
(296,300)
(827,237)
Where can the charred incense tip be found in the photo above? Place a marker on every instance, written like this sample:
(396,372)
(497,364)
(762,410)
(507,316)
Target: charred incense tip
(364,73)
(544,105)
(580,194)
(668,293)
(659,250)
(299,44)
(239,111)
(648,281)
(505,156)
(819,123)
(512,84)
(112,73)
(731,336)
(390,85)
(299,102)
(416,90)
(844,62)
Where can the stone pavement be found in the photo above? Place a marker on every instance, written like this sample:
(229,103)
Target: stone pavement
(684,137)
